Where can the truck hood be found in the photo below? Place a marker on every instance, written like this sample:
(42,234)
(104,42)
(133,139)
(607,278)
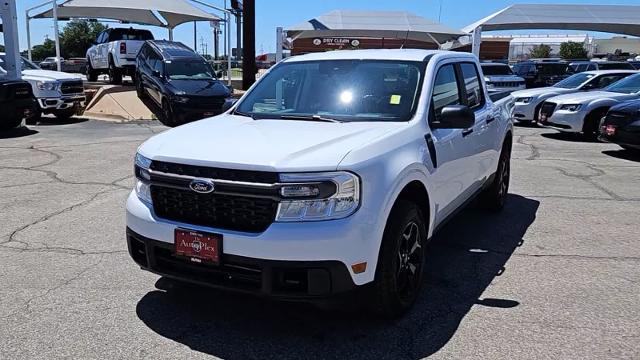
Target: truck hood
(552,91)
(586,97)
(239,142)
(47,75)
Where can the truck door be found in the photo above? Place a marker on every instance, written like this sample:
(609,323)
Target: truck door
(485,132)
(449,148)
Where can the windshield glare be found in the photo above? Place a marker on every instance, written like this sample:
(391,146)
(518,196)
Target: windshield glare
(189,70)
(496,70)
(345,90)
(574,81)
(629,85)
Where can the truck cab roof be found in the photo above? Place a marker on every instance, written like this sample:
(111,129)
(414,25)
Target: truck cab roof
(379,54)
(173,50)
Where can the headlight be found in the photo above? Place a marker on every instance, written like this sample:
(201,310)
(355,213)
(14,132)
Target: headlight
(47,85)
(524,100)
(318,196)
(180,99)
(141,167)
(571,107)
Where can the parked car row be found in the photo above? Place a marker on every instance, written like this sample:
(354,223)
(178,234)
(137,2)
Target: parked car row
(601,104)
(72,65)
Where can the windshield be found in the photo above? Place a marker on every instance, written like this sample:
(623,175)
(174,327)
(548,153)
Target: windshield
(345,90)
(496,70)
(26,64)
(553,69)
(616,66)
(629,85)
(574,81)
(189,70)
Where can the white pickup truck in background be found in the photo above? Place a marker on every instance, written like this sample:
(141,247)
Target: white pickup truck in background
(323,178)
(114,53)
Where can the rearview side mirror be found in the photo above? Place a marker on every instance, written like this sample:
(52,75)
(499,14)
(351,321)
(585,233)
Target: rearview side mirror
(155,73)
(228,104)
(455,117)
(219,74)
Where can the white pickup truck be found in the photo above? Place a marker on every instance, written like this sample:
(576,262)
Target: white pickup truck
(114,52)
(329,175)
(57,93)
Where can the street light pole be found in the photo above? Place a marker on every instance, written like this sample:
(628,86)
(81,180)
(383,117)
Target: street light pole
(57,34)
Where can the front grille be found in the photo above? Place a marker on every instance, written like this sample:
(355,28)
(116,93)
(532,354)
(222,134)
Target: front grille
(216,173)
(617,118)
(229,212)
(508,84)
(207,102)
(72,87)
(548,108)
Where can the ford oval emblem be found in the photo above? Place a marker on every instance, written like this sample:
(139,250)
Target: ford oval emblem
(201,186)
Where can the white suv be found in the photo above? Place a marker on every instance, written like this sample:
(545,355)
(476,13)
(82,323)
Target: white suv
(114,53)
(331,173)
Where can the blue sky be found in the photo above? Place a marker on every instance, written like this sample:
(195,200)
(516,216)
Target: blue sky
(273,13)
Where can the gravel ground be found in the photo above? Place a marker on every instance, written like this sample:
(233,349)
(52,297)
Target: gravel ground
(556,275)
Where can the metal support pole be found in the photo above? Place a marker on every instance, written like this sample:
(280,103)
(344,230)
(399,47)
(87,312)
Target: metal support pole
(477,41)
(238,36)
(228,41)
(216,41)
(57,34)
(195,36)
(279,39)
(12,61)
(28,36)
(249,69)
(170,34)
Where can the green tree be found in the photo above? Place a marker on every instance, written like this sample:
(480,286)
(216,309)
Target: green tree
(47,49)
(573,50)
(77,36)
(540,51)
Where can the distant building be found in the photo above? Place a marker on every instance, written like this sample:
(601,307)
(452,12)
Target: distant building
(618,45)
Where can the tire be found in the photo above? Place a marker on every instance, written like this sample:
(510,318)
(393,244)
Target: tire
(401,262)
(92,75)
(139,89)
(167,115)
(115,74)
(64,115)
(591,124)
(494,197)
(10,123)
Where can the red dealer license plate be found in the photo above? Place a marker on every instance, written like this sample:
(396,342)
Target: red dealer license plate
(198,246)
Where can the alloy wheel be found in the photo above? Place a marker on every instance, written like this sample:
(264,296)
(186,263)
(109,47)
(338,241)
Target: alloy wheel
(410,259)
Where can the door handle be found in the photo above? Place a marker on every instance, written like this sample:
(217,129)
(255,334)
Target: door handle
(490,119)
(467,132)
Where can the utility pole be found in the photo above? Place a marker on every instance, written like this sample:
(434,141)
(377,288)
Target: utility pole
(9,29)
(249,44)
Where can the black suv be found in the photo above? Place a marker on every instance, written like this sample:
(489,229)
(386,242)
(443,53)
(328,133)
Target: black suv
(16,101)
(622,126)
(181,82)
(542,73)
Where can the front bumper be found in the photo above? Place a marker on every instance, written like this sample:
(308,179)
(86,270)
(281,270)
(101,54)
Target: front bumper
(63,103)
(185,112)
(282,279)
(565,121)
(526,111)
(347,241)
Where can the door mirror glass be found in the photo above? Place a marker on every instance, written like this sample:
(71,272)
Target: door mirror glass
(455,117)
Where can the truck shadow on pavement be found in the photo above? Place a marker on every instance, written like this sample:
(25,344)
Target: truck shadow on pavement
(463,260)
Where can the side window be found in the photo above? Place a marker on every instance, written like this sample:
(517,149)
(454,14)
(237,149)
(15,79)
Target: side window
(607,80)
(592,67)
(473,87)
(445,90)
(100,38)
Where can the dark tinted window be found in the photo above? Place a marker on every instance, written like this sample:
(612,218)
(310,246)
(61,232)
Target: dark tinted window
(552,69)
(130,34)
(445,89)
(475,98)
(616,66)
(189,70)
(606,80)
(496,70)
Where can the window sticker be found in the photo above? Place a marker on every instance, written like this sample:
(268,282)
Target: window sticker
(395,99)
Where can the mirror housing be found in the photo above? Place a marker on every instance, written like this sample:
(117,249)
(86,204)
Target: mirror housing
(455,117)
(228,104)
(219,74)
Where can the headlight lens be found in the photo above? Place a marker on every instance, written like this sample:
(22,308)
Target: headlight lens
(181,99)
(571,107)
(524,100)
(141,167)
(47,85)
(318,196)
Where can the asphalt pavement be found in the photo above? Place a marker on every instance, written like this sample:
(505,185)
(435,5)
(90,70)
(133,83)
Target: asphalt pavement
(556,275)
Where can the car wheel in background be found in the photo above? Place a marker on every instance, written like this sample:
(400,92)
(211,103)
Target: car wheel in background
(64,115)
(167,114)
(11,122)
(494,197)
(92,75)
(115,75)
(400,269)
(139,88)
(592,123)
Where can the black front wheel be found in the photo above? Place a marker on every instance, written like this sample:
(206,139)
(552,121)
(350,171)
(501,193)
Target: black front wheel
(401,262)
(115,74)
(167,115)
(92,75)
(494,197)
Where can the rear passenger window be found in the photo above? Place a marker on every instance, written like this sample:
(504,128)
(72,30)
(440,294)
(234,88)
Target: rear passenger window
(474,92)
(445,90)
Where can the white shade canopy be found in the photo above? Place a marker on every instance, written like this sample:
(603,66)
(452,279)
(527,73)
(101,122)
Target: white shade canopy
(619,19)
(389,24)
(173,12)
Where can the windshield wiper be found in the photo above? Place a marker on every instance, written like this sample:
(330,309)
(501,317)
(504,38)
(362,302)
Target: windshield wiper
(309,118)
